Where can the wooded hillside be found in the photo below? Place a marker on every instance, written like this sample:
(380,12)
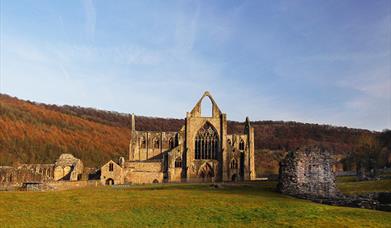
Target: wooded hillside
(38,133)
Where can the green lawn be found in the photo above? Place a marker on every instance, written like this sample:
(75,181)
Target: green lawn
(350,185)
(179,205)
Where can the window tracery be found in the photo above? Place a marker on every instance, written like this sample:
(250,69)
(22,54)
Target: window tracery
(206,143)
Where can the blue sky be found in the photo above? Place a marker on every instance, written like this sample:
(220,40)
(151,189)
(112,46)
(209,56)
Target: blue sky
(309,61)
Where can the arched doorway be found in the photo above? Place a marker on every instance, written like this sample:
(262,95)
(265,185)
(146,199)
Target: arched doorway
(206,173)
(234,178)
(109,181)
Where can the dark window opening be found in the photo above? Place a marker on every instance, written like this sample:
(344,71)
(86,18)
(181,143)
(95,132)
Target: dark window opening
(241,145)
(156,143)
(241,170)
(234,164)
(178,163)
(143,143)
(171,143)
(111,167)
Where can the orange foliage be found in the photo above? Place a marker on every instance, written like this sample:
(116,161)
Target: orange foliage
(34,134)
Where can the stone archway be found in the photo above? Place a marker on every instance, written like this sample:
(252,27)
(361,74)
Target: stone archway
(206,173)
(234,178)
(109,181)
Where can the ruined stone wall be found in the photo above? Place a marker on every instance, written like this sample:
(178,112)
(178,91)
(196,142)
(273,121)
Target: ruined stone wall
(67,167)
(65,185)
(139,151)
(307,171)
(143,172)
(174,174)
(144,166)
(237,156)
(26,173)
(137,177)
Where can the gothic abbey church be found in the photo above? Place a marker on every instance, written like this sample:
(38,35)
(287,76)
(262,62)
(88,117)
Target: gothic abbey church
(201,151)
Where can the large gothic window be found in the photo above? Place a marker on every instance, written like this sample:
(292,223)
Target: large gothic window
(206,143)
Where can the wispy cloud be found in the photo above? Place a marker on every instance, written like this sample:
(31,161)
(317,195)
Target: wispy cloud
(186,25)
(309,62)
(90,13)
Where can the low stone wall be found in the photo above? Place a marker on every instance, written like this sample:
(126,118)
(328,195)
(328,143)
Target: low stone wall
(134,177)
(376,201)
(64,185)
(380,173)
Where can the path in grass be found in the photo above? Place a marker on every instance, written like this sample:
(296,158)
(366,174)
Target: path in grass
(176,205)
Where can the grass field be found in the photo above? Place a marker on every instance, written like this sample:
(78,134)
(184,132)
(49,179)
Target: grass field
(184,205)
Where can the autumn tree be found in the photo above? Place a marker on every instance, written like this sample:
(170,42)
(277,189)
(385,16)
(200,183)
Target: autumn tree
(366,155)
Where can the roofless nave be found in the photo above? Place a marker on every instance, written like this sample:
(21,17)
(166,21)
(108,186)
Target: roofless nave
(200,151)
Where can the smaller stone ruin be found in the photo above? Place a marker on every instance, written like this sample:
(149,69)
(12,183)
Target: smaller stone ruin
(67,167)
(308,171)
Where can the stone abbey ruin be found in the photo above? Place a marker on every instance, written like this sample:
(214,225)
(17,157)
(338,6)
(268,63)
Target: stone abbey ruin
(200,151)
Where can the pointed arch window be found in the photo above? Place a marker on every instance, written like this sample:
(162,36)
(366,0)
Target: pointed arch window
(111,167)
(156,143)
(206,143)
(234,164)
(171,143)
(241,144)
(143,143)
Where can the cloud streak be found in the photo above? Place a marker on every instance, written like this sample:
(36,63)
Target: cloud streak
(298,64)
(90,14)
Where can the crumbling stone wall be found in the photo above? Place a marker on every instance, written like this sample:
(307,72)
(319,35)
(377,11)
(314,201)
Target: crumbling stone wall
(25,173)
(67,167)
(307,171)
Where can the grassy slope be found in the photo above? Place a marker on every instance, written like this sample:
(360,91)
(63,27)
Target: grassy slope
(350,185)
(178,205)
